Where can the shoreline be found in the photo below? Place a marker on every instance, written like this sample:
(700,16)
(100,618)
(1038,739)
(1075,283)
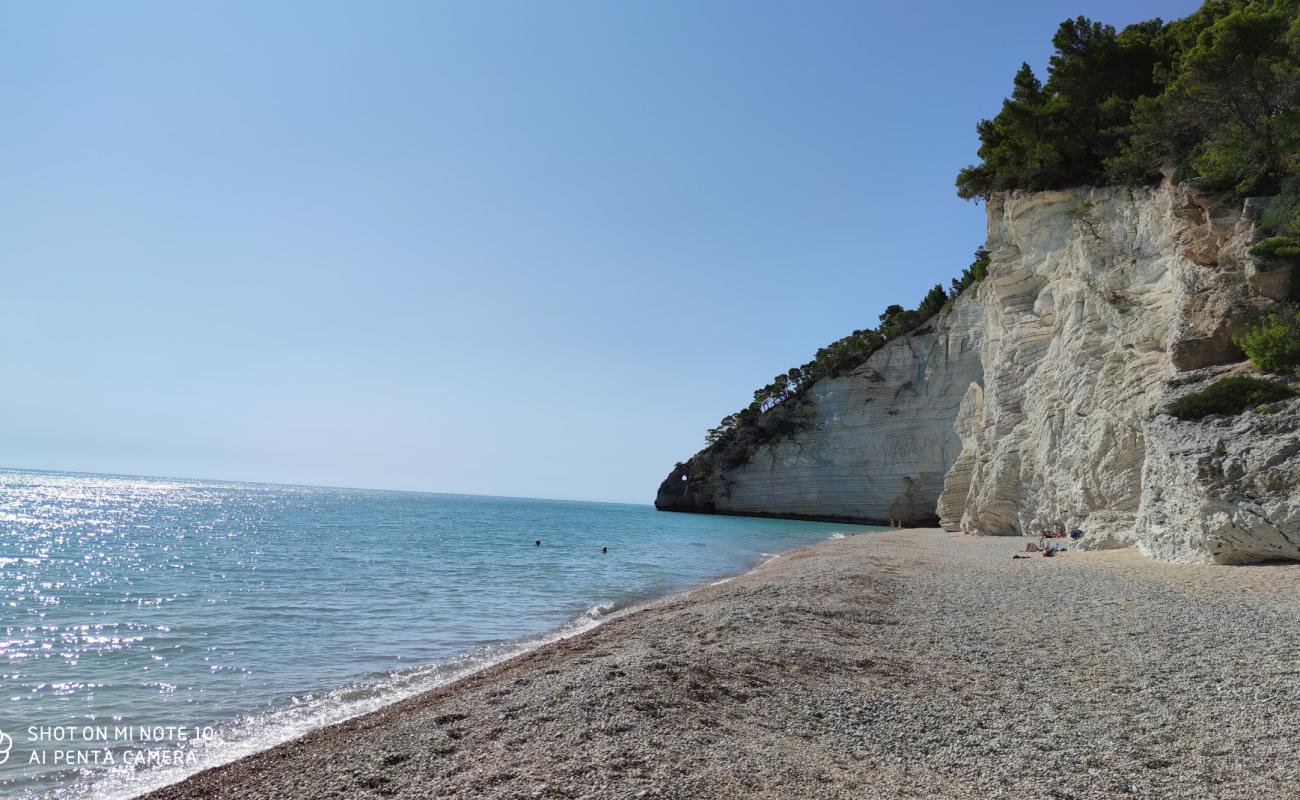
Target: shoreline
(903,663)
(928,524)
(433,676)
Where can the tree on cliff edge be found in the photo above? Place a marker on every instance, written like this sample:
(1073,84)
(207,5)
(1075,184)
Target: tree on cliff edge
(1213,96)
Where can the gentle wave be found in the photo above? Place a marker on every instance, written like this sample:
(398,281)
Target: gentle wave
(254,733)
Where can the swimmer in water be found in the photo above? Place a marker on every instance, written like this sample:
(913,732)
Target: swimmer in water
(537,543)
(604,549)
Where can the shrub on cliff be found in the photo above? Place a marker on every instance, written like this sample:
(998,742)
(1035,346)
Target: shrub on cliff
(1228,396)
(1274,344)
(1281,226)
(976,272)
(1280,246)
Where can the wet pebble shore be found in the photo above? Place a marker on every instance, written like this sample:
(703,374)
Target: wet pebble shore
(909,664)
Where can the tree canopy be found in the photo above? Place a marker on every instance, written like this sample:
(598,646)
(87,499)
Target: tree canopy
(1211,97)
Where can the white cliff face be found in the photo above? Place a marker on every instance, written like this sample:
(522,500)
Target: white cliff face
(1224,489)
(882,438)
(1034,400)
(1094,298)
(1076,342)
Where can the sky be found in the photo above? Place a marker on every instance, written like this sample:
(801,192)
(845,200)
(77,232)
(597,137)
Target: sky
(512,248)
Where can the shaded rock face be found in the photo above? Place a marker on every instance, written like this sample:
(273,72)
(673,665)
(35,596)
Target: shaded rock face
(1224,489)
(957,483)
(877,447)
(684,491)
(1094,298)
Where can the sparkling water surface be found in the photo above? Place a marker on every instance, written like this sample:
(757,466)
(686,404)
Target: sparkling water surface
(246,614)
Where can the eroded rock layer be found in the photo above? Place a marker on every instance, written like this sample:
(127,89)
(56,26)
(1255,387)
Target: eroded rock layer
(1224,488)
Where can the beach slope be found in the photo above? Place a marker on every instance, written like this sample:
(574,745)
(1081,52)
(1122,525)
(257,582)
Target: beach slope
(901,664)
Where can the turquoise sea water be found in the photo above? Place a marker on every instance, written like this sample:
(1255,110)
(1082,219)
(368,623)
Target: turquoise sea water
(153,627)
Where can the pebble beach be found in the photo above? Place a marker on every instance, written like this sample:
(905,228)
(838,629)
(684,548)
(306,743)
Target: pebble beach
(907,664)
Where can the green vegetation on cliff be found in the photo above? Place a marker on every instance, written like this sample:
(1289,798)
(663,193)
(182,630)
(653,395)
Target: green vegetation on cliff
(1281,223)
(1211,97)
(1274,344)
(1228,396)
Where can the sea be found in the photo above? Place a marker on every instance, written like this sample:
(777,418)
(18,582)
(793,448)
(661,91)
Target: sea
(154,627)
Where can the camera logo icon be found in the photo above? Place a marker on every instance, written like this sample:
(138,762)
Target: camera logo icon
(6,744)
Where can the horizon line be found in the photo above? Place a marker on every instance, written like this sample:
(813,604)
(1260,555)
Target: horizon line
(4,468)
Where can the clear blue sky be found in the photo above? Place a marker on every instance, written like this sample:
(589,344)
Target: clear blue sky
(506,248)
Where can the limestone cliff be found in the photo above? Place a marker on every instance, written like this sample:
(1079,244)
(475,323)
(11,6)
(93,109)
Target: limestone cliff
(1035,399)
(878,445)
(1094,298)
(1225,488)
